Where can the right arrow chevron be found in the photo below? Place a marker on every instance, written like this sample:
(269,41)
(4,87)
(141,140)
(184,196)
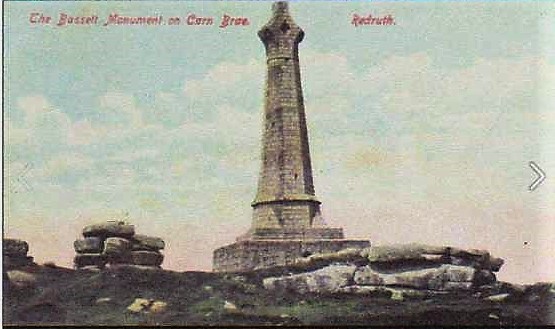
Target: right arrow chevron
(539,172)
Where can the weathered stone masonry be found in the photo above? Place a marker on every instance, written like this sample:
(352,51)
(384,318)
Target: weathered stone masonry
(256,254)
(286,223)
(285,196)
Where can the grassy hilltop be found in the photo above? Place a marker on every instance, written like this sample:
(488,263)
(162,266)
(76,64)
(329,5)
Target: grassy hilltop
(53,295)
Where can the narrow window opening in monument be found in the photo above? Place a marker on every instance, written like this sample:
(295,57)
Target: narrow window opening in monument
(296,176)
(284,27)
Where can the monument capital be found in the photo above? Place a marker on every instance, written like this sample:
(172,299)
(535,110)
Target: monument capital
(281,35)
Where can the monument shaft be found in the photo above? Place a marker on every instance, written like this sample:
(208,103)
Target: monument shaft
(285,197)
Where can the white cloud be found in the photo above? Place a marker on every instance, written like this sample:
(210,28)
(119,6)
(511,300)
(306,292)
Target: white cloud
(83,132)
(326,74)
(117,103)
(225,75)
(34,107)
(45,124)
(62,164)
(42,129)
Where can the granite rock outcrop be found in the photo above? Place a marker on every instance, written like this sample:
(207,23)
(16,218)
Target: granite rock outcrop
(14,254)
(114,243)
(409,270)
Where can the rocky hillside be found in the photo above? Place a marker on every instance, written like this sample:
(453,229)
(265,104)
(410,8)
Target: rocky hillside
(131,295)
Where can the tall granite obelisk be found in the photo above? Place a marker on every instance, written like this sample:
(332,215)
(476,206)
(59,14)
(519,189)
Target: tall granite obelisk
(285,205)
(286,220)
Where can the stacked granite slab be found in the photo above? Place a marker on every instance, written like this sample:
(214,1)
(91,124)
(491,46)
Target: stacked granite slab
(114,243)
(14,254)
(427,267)
(402,269)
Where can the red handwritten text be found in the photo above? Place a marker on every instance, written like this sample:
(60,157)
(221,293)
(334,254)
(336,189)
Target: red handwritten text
(371,20)
(233,21)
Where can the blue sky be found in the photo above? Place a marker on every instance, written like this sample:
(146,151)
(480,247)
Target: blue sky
(420,131)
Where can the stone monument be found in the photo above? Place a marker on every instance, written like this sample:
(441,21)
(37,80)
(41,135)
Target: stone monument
(287,223)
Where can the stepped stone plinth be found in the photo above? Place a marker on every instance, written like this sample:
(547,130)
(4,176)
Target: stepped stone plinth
(248,255)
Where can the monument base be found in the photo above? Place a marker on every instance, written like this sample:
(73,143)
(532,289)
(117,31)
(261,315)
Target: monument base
(312,233)
(248,255)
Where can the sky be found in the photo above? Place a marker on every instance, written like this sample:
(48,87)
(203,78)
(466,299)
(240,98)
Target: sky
(419,132)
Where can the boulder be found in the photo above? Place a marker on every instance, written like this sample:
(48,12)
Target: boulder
(348,255)
(116,247)
(479,259)
(139,305)
(418,255)
(453,286)
(15,247)
(143,305)
(402,252)
(147,258)
(143,242)
(432,258)
(484,277)
(88,245)
(328,279)
(120,259)
(12,262)
(428,278)
(401,294)
(21,280)
(82,260)
(495,264)
(103,300)
(374,291)
(119,266)
(499,287)
(351,256)
(158,306)
(453,273)
(91,268)
(479,262)
(229,307)
(109,229)
(461,261)
(540,291)
(493,316)
(498,298)
(397,295)
(468,253)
